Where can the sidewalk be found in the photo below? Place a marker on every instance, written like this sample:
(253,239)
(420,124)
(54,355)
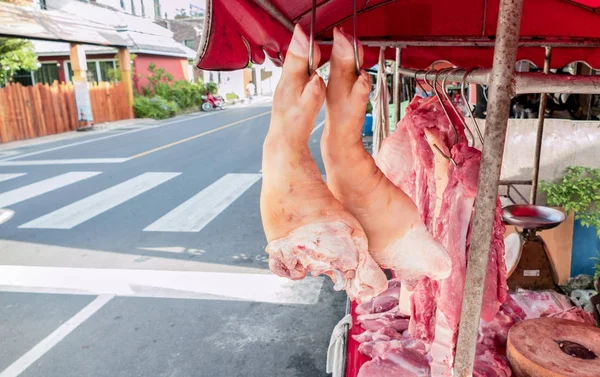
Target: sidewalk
(100,127)
(256,100)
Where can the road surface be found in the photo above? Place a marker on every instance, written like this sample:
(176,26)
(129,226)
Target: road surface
(139,252)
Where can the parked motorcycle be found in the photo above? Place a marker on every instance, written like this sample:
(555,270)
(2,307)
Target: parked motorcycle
(210,102)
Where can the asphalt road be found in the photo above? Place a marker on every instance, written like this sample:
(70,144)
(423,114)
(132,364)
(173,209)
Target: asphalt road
(139,252)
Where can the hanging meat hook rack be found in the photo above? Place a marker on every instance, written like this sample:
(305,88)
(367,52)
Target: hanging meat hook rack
(522,83)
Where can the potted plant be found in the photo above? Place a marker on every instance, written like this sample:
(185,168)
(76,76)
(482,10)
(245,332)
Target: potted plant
(579,192)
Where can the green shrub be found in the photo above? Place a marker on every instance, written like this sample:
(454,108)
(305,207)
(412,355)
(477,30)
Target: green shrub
(578,191)
(212,87)
(155,107)
(231,96)
(185,94)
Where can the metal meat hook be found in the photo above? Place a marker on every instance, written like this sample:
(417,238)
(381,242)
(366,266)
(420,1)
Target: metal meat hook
(471,139)
(437,94)
(311,41)
(464,98)
(355,42)
(441,152)
(417,81)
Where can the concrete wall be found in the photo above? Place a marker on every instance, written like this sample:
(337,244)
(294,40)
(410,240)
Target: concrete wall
(231,82)
(565,143)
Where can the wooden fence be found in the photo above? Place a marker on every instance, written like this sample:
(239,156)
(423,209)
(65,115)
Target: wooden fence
(39,110)
(109,102)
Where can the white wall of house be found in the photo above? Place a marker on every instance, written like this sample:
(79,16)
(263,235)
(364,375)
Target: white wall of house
(233,81)
(267,86)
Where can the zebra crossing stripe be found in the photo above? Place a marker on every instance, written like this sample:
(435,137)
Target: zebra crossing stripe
(38,188)
(194,214)
(6,177)
(94,205)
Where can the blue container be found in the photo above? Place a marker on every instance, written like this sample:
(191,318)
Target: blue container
(368,125)
(585,246)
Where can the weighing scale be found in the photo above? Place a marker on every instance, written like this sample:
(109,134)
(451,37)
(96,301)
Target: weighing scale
(530,265)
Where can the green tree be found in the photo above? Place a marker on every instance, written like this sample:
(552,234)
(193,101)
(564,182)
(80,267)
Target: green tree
(15,54)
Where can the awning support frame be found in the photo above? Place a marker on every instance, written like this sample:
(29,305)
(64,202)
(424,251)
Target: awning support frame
(502,75)
(540,132)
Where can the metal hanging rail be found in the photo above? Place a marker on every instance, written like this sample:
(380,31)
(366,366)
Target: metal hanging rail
(523,82)
(472,42)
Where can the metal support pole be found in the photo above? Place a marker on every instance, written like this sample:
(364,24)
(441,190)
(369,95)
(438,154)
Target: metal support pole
(540,133)
(397,86)
(503,69)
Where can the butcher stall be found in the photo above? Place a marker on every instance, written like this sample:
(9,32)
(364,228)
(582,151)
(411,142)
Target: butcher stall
(500,311)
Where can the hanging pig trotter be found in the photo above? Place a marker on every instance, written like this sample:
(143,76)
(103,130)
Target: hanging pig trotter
(308,230)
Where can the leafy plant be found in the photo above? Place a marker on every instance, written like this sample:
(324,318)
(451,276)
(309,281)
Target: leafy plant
(578,191)
(16,54)
(596,267)
(231,96)
(369,108)
(186,94)
(155,107)
(212,87)
(158,81)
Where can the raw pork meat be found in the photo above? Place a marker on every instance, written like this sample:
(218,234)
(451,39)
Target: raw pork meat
(444,194)
(383,302)
(398,239)
(307,229)
(394,358)
(452,230)
(392,319)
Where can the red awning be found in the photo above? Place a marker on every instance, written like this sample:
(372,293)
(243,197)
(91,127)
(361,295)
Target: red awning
(460,31)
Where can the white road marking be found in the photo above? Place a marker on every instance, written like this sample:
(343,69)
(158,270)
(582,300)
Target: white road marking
(30,191)
(67,161)
(184,119)
(195,213)
(6,177)
(175,249)
(5,215)
(92,206)
(15,253)
(40,349)
(157,283)
(317,127)
(8,153)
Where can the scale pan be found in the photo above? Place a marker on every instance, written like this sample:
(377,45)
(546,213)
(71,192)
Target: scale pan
(528,216)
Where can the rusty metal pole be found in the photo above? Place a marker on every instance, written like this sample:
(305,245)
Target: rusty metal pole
(397,86)
(540,133)
(501,90)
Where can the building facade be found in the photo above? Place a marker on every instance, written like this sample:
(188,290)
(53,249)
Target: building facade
(150,43)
